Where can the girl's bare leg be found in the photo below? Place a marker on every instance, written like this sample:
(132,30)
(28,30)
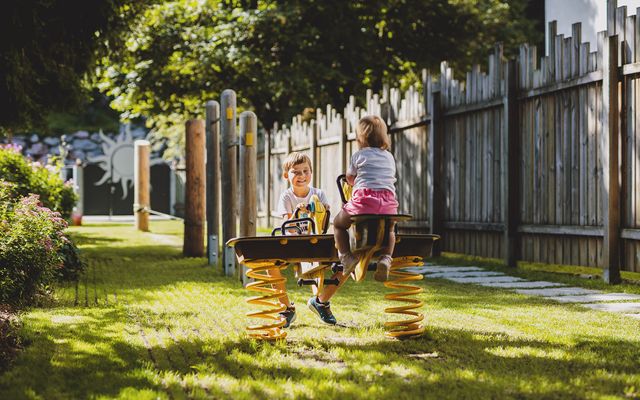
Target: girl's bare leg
(341,223)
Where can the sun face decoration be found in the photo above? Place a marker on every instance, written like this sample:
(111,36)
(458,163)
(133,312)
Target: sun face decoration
(117,161)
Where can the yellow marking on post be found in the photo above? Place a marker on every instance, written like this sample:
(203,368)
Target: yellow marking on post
(248,139)
(229,113)
(283,241)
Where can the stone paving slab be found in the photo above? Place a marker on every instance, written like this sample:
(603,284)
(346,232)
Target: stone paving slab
(464,274)
(615,307)
(436,269)
(486,279)
(596,297)
(561,291)
(527,284)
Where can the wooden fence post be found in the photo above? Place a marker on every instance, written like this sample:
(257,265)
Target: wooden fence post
(229,156)
(248,179)
(78,188)
(212,109)
(194,204)
(314,153)
(141,175)
(436,170)
(267,175)
(609,146)
(510,167)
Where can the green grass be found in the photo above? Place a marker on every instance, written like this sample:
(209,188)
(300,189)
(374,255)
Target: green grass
(147,323)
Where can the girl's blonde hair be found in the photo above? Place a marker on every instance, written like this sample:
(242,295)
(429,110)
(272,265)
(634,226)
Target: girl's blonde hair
(372,132)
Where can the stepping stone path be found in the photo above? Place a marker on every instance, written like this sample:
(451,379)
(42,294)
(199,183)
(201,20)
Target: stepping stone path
(594,299)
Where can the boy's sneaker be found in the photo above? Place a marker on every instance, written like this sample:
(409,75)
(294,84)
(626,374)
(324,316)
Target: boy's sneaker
(289,315)
(382,269)
(322,309)
(349,262)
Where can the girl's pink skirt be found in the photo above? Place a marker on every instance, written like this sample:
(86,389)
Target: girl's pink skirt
(371,201)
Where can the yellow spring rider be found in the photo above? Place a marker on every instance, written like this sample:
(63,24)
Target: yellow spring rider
(303,240)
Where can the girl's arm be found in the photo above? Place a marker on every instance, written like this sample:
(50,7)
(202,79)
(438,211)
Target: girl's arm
(351,179)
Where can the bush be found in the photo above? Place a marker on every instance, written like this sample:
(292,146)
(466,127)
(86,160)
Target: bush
(31,244)
(32,177)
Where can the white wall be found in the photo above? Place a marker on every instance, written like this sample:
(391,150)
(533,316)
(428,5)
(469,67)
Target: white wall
(592,14)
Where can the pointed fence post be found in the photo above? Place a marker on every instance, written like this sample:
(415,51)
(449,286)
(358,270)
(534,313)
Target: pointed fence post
(141,174)
(194,212)
(212,109)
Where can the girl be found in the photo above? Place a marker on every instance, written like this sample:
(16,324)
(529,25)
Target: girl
(372,173)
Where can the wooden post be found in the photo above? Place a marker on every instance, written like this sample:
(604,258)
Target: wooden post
(314,153)
(248,179)
(609,146)
(229,176)
(141,175)
(510,163)
(78,188)
(212,109)
(267,175)
(436,170)
(194,212)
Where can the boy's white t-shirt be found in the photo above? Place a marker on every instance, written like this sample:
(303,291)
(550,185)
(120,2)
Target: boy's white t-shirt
(374,168)
(289,201)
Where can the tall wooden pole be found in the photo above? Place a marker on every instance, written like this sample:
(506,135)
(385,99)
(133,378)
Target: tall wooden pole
(609,143)
(141,175)
(213,180)
(229,159)
(195,189)
(510,168)
(248,179)
(435,173)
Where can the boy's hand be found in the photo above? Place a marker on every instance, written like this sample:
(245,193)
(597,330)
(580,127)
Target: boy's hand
(302,206)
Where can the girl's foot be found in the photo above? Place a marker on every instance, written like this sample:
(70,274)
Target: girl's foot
(382,269)
(349,262)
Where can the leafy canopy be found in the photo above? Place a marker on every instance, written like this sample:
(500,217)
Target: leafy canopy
(283,56)
(47,49)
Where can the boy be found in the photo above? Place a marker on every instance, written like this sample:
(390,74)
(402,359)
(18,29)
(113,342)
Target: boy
(297,170)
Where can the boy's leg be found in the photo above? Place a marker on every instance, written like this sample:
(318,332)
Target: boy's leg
(329,290)
(275,273)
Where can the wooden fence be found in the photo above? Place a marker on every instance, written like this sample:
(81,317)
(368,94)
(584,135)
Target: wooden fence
(534,159)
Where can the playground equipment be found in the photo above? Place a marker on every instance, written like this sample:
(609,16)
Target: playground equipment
(303,240)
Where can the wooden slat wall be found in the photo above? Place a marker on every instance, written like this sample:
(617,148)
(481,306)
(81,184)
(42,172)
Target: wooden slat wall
(560,171)
(473,136)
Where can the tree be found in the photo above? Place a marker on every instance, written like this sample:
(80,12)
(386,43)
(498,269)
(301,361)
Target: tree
(283,56)
(47,50)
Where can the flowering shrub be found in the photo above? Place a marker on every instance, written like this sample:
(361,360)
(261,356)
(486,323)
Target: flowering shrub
(32,177)
(31,243)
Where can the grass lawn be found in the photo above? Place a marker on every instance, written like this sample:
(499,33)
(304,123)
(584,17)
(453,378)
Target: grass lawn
(147,323)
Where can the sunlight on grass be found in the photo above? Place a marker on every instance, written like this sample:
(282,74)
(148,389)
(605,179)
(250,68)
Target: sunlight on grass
(144,322)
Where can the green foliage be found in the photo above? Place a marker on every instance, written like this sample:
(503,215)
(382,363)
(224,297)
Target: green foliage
(49,48)
(283,56)
(30,247)
(29,177)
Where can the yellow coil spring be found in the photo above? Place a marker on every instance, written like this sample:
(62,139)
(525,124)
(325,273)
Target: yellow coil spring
(263,284)
(397,279)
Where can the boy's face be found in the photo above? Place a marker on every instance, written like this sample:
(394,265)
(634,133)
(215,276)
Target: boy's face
(299,175)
